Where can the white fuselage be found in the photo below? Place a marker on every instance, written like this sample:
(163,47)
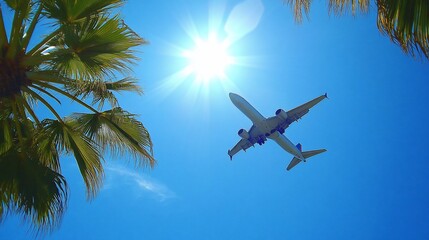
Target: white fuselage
(261,123)
(246,108)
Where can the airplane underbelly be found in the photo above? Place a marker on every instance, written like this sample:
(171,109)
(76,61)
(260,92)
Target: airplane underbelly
(263,127)
(286,144)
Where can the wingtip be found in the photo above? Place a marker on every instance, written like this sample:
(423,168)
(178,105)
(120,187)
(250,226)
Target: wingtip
(326,95)
(230,156)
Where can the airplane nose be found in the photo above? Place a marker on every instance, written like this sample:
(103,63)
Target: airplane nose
(232,95)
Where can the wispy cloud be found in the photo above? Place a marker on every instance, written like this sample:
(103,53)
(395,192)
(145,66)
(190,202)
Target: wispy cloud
(120,175)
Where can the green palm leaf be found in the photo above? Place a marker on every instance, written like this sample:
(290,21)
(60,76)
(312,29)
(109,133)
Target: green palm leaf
(337,6)
(118,130)
(6,141)
(32,189)
(80,60)
(341,6)
(95,48)
(406,22)
(100,90)
(70,11)
(71,140)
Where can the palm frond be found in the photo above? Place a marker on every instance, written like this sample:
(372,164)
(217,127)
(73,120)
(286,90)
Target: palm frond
(79,58)
(22,9)
(337,6)
(120,131)
(17,122)
(341,6)
(46,139)
(88,158)
(16,128)
(64,93)
(406,22)
(47,93)
(32,189)
(6,140)
(97,90)
(96,48)
(44,44)
(13,4)
(42,100)
(32,26)
(23,102)
(298,6)
(126,84)
(71,11)
(47,76)
(100,90)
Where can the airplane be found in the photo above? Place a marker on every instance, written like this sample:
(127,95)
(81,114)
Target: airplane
(273,128)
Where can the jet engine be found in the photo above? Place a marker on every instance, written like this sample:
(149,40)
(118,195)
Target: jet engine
(281,114)
(243,134)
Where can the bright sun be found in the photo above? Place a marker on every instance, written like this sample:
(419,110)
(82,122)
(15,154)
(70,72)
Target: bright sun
(209,59)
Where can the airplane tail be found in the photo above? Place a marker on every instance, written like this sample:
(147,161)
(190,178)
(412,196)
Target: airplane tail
(306,154)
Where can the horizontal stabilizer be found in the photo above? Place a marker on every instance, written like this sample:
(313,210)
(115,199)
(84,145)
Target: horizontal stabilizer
(306,155)
(293,163)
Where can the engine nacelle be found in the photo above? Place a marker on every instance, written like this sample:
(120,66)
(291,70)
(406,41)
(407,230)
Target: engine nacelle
(281,114)
(243,134)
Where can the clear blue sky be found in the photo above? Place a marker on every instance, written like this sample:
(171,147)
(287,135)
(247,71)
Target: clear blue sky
(371,184)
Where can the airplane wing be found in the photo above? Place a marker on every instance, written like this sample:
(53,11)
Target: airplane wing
(244,144)
(298,112)
(294,114)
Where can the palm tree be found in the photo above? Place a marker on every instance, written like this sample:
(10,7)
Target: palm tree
(81,59)
(405,22)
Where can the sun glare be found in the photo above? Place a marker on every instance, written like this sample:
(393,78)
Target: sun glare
(209,59)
